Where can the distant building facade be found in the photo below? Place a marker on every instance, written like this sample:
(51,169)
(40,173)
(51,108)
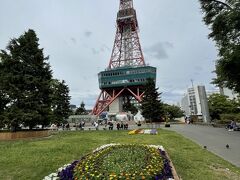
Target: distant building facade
(79,118)
(195,102)
(228,92)
(185,105)
(224,91)
(210,92)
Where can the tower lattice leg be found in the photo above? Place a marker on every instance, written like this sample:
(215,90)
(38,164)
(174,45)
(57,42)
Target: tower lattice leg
(105,99)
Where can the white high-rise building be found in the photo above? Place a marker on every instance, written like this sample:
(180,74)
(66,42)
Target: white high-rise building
(185,105)
(195,103)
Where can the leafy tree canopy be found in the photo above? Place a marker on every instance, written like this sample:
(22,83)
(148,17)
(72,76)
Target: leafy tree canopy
(223,18)
(220,104)
(60,101)
(25,80)
(3,102)
(151,105)
(173,111)
(130,107)
(81,110)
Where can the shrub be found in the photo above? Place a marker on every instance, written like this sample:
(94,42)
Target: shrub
(226,118)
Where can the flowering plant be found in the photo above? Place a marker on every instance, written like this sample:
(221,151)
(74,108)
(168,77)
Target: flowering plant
(117,161)
(143,131)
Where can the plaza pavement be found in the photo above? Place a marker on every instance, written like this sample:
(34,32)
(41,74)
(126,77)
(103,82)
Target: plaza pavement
(215,139)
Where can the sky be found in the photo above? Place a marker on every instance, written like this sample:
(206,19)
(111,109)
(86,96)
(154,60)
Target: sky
(78,36)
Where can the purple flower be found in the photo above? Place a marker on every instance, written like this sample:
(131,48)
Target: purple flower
(67,174)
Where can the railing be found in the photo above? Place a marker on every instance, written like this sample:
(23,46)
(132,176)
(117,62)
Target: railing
(23,135)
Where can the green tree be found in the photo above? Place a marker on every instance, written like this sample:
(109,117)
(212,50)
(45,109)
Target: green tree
(220,104)
(60,101)
(81,110)
(223,17)
(25,78)
(3,103)
(129,107)
(173,111)
(151,105)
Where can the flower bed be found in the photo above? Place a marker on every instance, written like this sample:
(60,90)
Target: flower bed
(117,161)
(143,131)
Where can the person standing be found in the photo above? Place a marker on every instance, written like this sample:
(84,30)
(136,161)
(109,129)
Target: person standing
(118,126)
(80,126)
(96,125)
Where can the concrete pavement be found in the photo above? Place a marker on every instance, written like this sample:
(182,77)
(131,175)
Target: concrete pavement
(215,139)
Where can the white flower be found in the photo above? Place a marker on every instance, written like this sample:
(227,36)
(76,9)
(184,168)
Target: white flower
(63,168)
(46,178)
(105,146)
(52,176)
(157,147)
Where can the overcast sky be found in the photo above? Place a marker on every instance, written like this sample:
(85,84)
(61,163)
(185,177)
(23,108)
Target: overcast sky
(78,36)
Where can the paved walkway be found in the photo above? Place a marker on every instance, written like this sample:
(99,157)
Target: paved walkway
(215,139)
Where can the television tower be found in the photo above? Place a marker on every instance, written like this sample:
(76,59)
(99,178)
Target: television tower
(127,72)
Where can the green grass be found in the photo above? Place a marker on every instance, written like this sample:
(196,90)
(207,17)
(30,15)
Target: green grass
(33,159)
(117,161)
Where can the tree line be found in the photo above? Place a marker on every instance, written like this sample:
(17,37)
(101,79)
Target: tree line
(29,95)
(222,109)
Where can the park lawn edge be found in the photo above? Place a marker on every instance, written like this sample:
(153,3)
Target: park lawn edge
(34,159)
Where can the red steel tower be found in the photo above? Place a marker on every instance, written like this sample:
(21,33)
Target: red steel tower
(126,73)
(126,49)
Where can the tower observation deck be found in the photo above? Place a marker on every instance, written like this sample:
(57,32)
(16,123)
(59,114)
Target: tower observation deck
(127,72)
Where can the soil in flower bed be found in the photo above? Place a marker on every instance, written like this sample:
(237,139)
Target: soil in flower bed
(121,162)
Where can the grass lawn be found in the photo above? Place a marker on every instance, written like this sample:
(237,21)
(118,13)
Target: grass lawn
(34,159)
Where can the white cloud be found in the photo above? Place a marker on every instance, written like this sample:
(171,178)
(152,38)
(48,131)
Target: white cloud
(159,50)
(87,33)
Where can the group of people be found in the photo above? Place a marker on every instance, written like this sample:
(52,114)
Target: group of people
(81,125)
(119,126)
(232,126)
(188,120)
(66,126)
(58,125)
(122,126)
(110,125)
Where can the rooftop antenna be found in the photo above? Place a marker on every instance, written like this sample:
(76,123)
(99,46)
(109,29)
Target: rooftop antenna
(192,82)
